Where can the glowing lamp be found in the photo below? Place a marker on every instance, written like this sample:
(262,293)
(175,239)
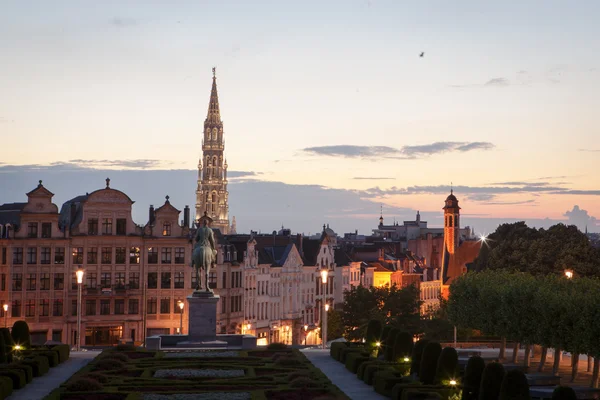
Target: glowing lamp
(79,274)
(453,382)
(5,307)
(17,347)
(180,304)
(324,274)
(305,328)
(326,306)
(406,359)
(378,344)
(569,274)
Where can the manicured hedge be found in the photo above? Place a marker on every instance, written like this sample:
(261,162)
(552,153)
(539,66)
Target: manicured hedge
(63,351)
(20,334)
(447,366)
(491,381)
(6,386)
(429,360)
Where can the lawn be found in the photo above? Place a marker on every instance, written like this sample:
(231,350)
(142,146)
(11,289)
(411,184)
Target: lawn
(126,373)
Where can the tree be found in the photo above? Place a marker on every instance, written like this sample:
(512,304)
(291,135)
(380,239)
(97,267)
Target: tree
(335,326)
(20,334)
(361,304)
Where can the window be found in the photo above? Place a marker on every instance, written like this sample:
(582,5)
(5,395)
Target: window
(93,226)
(32,229)
(165,255)
(107,226)
(119,306)
(31,255)
(134,255)
(57,308)
(104,307)
(91,280)
(78,255)
(120,279)
(15,309)
(46,229)
(179,255)
(59,255)
(152,255)
(165,306)
(44,281)
(59,281)
(223,305)
(44,308)
(224,283)
(18,255)
(74,281)
(212,280)
(121,226)
(151,306)
(152,280)
(45,255)
(194,280)
(134,306)
(165,280)
(30,308)
(31,278)
(105,280)
(107,255)
(166,229)
(134,280)
(90,307)
(3,285)
(179,276)
(73,307)
(236,304)
(120,255)
(92,255)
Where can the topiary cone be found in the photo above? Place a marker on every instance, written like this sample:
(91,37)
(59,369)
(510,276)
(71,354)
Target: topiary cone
(417,354)
(472,379)
(429,361)
(20,334)
(491,381)
(564,393)
(514,386)
(447,365)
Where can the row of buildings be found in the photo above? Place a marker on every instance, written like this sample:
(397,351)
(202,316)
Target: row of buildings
(135,276)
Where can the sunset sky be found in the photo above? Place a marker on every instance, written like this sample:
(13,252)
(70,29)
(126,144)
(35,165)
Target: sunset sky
(504,104)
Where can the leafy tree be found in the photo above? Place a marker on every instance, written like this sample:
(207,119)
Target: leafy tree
(335,326)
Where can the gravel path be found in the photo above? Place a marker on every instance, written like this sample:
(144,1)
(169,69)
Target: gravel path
(199,373)
(199,396)
(206,354)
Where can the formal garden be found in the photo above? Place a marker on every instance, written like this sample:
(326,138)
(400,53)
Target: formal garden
(128,373)
(20,362)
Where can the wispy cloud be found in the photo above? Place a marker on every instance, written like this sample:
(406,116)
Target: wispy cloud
(494,82)
(373,178)
(121,22)
(590,150)
(242,174)
(406,152)
(80,164)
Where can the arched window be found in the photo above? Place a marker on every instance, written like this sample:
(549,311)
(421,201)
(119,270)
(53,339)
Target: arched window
(214,135)
(166,229)
(208,135)
(214,197)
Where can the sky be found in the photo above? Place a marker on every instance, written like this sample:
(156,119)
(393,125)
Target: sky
(328,110)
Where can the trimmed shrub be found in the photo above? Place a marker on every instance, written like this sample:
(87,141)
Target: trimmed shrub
(107,365)
(298,374)
(514,386)
(383,339)
(344,353)
(97,377)
(125,347)
(447,366)
(17,376)
(84,385)
(385,380)
(63,351)
(360,373)
(491,381)
(286,361)
(303,382)
(6,387)
(3,356)
(370,371)
(39,365)
(429,360)
(472,380)
(417,354)
(564,393)
(9,343)
(353,361)
(390,340)
(116,356)
(336,348)
(374,329)
(52,356)
(20,334)
(403,347)
(27,370)
(277,346)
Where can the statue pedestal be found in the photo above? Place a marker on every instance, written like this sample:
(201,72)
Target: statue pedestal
(202,326)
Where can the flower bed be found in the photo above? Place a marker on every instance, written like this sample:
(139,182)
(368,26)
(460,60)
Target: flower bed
(206,375)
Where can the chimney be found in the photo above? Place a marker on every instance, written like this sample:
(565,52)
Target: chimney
(151,215)
(73,211)
(299,244)
(186,216)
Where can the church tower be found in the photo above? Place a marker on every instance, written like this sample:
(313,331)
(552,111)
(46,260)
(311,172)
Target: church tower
(211,193)
(451,223)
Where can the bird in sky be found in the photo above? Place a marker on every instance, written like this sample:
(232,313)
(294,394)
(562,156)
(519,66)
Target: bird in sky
(422,54)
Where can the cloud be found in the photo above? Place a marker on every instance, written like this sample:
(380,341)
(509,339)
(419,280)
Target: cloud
(121,22)
(406,152)
(500,82)
(468,190)
(481,197)
(590,150)
(78,164)
(242,174)
(511,203)
(580,218)
(372,178)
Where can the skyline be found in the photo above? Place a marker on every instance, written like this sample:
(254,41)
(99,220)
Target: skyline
(362,112)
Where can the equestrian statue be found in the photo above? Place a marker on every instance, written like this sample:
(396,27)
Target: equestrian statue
(204,255)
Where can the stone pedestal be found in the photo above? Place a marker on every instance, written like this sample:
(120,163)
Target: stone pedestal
(202,315)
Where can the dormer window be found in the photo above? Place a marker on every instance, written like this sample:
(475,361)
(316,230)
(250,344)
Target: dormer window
(166,229)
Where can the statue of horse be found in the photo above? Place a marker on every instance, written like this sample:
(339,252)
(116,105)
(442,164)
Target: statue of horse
(204,254)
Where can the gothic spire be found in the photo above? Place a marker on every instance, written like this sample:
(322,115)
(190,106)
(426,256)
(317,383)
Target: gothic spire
(214,114)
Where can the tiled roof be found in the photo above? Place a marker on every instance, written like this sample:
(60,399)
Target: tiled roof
(64,220)
(310,250)
(274,255)
(341,257)
(453,265)
(10,213)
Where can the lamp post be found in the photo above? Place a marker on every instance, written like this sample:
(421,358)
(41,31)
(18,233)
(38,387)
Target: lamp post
(79,282)
(305,333)
(287,334)
(180,304)
(324,274)
(569,273)
(5,307)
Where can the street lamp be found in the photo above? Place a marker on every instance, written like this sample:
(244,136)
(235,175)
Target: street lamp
(180,304)
(79,282)
(305,333)
(325,326)
(5,307)
(324,274)
(569,273)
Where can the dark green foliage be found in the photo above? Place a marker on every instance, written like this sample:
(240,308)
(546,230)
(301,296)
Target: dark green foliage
(360,373)
(52,356)
(447,366)
(373,332)
(390,340)
(564,393)
(17,375)
(84,385)
(472,379)
(277,346)
(63,351)
(429,360)
(303,382)
(335,326)
(97,377)
(344,353)
(107,365)
(491,381)
(417,354)
(6,387)
(3,348)
(383,339)
(514,386)
(8,340)
(28,371)
(403,347)
(20,334)
(116,356)
(38,367)
(353,361)
(384,381)
(336,348)
(124,347)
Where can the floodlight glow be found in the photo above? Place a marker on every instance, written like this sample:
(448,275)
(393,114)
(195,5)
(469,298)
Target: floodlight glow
(406,359)
(453,382)
(324,274)
(79,274)
(378,344)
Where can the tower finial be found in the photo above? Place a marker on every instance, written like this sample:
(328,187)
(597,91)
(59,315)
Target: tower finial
(108,183)
(451,188)
(214,72)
